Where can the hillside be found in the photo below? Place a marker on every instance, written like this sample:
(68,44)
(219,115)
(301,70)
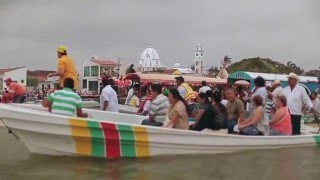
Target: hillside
(264,65)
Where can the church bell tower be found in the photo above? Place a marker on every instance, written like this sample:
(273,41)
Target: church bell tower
(198,60)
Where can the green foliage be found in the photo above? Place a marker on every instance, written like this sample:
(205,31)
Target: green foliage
(32,82)
(264,65)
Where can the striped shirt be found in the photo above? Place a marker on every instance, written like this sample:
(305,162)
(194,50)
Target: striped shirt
(159,107)
(65,102)
(270,107)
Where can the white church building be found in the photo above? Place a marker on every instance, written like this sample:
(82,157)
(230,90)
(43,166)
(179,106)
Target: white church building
(149,59)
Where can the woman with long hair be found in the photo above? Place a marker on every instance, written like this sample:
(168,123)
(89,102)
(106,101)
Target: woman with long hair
(220,109)
(178,112)
(205,116)
(255,124)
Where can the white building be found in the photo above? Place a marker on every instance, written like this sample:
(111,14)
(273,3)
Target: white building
(198,60)
(43,82)
(18,74)
(149,59)
(92,70)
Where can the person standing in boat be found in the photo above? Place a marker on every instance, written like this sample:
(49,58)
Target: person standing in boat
(296,97)
(235,110)
(159,107)
(278,90)
(185,89)
(65,101)
(66,68)
(16,93)
(109,97)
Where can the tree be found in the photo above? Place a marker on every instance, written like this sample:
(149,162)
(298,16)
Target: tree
(32,82)
(213,71)
(130,69)
(226,61)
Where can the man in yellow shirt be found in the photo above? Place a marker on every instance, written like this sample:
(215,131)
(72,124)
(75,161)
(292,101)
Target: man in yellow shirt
(66,68)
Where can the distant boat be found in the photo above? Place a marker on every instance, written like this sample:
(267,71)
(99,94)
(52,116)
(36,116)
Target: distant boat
(115,135)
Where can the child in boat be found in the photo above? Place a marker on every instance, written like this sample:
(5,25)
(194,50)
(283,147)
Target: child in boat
(177,116)
(65,101)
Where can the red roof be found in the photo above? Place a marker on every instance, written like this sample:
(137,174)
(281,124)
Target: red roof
(107,63)
(2,71)
(40,75)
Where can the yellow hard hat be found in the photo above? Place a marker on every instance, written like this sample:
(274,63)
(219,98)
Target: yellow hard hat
(62,49)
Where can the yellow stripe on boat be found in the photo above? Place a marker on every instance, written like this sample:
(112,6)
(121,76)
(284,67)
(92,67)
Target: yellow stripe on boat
(81,135)
(142,141)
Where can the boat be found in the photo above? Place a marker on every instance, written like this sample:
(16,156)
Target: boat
(115,135)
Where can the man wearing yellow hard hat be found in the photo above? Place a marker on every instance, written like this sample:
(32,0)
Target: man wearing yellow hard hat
(66,68)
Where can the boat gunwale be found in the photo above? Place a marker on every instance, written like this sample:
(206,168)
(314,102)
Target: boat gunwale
(156,129)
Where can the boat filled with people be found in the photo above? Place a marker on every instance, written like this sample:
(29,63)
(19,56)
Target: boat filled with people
(115,135)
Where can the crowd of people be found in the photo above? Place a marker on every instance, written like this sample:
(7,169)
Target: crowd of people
(262,111)
(270,111)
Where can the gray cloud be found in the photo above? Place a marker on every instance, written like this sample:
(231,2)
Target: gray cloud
(282,30)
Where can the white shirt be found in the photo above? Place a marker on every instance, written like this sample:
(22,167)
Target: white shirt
(182,91)
(110,95)
(130,93)
(147,106)
(204,89)
(296,98)
(316,106)
(277,91)
(224,102)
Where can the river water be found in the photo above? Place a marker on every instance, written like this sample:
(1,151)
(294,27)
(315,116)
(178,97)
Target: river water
(286,164)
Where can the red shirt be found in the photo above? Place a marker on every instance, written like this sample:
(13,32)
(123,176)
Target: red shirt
(16,89)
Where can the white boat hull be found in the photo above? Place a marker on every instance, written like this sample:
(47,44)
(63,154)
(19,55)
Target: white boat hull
(114,135)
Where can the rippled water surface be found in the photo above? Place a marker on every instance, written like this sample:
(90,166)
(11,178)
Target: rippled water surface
(286,164)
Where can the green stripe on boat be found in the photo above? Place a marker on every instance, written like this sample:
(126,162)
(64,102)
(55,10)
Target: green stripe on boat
(317,139)
(97,139)
(127,141)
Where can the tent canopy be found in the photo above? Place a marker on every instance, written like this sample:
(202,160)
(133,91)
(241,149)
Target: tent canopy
(269,77)
(165,78)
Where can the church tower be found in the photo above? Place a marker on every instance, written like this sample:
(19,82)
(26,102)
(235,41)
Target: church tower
(198,60)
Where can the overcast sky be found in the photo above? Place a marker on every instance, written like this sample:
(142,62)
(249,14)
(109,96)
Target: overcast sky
(284,30)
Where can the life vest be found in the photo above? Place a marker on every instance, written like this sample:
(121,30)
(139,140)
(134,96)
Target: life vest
(190,94)
(131,101)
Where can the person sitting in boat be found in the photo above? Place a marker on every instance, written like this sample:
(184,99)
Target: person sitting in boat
(206,116)
(159,107)
(65,101)
(316,105)
(255,124)
(185,89)
(177,116)
(235,110)
(16,93)
(109,97)
(133,100)
(281,120)
(221,111)
(145,106)
(204,87)
(135,88)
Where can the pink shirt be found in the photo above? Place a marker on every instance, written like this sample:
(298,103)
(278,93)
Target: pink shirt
(284,125)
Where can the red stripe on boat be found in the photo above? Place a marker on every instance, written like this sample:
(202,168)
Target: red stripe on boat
(112,140)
